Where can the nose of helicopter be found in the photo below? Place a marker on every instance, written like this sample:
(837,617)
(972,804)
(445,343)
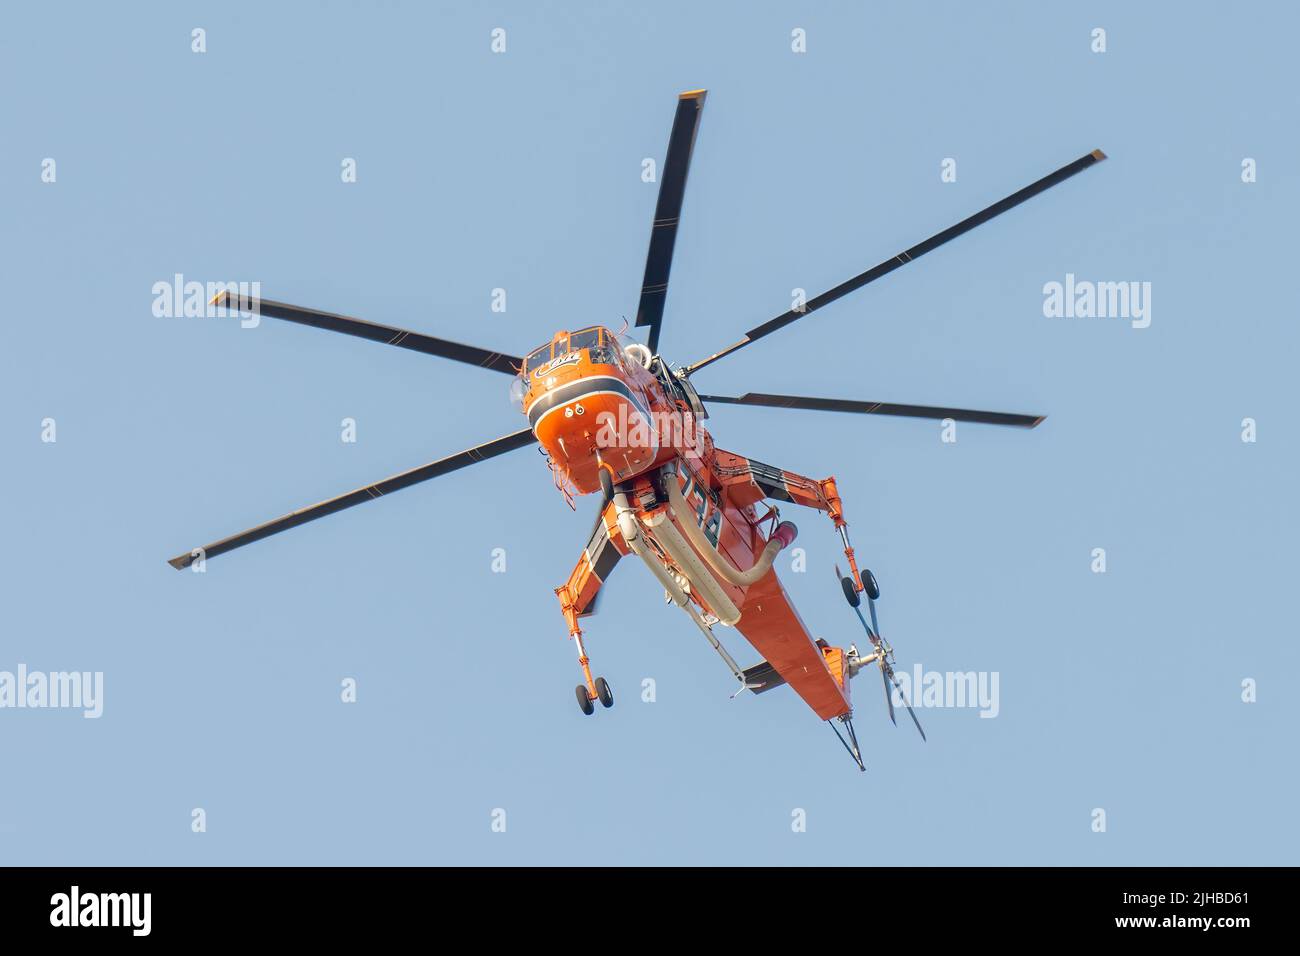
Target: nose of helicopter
(588,420)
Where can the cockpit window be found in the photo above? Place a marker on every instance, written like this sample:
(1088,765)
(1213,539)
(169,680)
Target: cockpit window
(586,339)
(539,357)
(602,349)
(598,343)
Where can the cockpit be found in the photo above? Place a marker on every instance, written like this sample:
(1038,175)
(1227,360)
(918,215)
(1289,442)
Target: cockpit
(597,345)
(600,344)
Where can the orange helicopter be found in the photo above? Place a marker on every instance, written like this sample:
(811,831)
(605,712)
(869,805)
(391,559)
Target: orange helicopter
(614,418)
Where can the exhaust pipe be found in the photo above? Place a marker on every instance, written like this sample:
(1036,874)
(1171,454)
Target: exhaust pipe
(782,538)
(630,527)
(671,540)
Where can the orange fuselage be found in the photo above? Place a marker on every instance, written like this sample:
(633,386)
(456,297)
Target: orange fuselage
(592,404)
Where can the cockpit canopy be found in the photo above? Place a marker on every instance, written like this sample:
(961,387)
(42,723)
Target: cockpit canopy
(601,345)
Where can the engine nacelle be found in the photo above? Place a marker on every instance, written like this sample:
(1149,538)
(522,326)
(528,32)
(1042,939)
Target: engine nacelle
(638,353)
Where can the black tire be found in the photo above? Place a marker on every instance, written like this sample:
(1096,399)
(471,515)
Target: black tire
(584,702)
(850,592)
(606,484)
(603,693)
(870,585)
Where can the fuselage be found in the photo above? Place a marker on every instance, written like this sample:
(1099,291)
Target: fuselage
(594,403)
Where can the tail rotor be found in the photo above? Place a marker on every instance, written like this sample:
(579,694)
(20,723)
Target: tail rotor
(882,653)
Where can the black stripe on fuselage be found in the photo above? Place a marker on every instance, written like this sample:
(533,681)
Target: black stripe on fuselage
(574,391)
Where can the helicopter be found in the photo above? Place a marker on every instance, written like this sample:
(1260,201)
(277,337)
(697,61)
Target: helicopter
(614,418)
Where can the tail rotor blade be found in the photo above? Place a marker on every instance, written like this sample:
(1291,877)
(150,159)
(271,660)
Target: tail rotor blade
(903,697)
(889,698)
(875,638)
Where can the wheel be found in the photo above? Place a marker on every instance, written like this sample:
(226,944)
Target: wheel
(870,585)
(850,592)
(603,693)
(606,483)
(584,701)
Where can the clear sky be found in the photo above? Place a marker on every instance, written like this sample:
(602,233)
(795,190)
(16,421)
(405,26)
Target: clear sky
(522,170)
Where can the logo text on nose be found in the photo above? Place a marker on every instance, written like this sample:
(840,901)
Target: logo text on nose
(555,363)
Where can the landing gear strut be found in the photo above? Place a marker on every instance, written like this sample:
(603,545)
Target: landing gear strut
(592,690)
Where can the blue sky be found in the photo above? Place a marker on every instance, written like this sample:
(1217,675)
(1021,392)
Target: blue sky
(521,171)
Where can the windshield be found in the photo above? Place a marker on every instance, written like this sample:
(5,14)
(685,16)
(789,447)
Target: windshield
(586,339)
(599,344)
(602,349)
(539,357)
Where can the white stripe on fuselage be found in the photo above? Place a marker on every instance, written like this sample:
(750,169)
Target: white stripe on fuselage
(649,422)
(592,379)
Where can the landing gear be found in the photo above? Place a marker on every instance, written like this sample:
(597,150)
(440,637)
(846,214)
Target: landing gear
(586,703)
(850,592)
(869,585)
(592,690)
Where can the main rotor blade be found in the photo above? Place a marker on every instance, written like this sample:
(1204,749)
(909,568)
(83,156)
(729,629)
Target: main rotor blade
(668,210)
(591,538)
(404,480)
(876,408)
(920,249)
(389,335)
